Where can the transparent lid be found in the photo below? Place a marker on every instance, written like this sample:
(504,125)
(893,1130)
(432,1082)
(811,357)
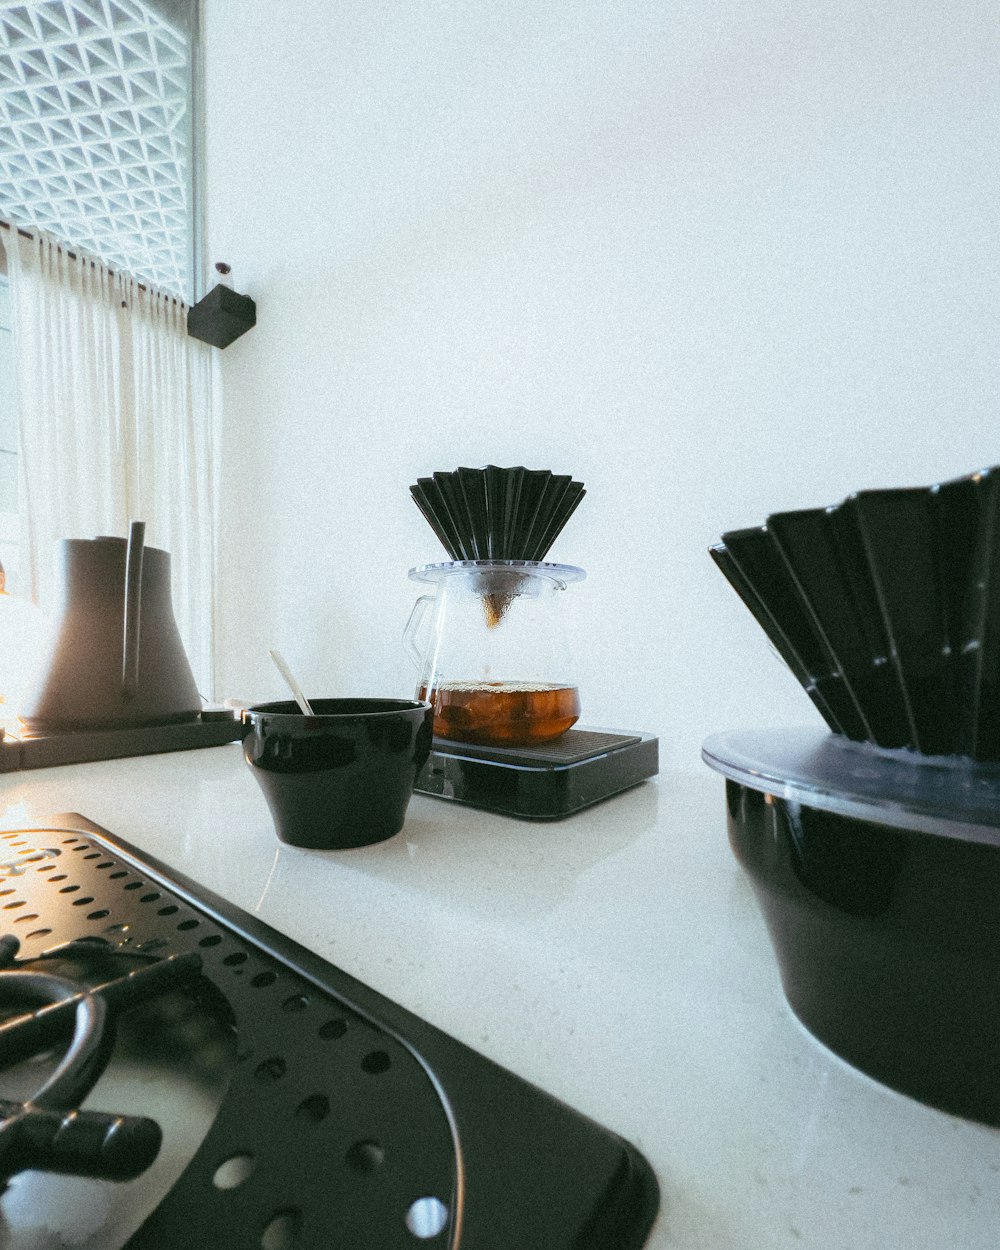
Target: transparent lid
(561,573)
(948,796)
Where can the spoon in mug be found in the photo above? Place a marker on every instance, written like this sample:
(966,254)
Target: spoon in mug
(293,685)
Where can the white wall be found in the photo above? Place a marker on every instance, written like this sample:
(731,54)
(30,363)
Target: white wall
(713,258)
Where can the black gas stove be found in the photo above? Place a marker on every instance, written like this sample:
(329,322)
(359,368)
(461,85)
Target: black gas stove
(176,1074)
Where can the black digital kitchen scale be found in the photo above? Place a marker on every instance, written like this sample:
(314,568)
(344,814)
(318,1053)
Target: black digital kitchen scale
(542,782)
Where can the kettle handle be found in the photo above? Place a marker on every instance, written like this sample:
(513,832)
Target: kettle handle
(133,599)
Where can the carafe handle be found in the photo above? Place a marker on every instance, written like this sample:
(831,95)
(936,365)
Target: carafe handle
(412,627)
(133,599)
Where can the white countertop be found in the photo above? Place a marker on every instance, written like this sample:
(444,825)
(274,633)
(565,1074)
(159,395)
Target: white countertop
(617,959)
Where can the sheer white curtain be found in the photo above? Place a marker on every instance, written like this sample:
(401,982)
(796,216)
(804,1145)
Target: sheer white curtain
(119,418)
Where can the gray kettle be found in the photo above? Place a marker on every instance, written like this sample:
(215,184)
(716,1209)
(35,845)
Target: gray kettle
(116,660)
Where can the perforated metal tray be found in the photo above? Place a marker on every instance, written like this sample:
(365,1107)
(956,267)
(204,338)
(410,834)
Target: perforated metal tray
(357,1123)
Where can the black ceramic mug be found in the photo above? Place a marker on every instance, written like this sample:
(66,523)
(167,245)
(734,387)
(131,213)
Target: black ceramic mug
(342,777)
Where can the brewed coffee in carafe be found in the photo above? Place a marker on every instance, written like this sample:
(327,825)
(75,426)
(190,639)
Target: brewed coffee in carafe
(502,713)
(504,680)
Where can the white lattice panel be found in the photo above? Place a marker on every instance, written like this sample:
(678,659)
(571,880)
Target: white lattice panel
(94,145)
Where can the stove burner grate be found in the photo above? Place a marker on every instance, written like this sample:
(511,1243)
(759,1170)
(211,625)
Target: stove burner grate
(48,1132)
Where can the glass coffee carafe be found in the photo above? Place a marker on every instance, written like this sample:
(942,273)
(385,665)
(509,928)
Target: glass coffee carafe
(491,651)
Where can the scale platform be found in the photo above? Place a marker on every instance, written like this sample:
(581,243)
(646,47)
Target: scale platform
(544,782)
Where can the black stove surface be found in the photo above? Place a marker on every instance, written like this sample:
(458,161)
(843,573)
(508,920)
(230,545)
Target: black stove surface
(256,1095)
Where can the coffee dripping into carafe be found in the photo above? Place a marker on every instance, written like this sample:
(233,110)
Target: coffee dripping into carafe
(489,643)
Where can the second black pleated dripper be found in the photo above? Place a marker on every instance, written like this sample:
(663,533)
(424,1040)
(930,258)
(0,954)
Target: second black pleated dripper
(497,514)
(886,607)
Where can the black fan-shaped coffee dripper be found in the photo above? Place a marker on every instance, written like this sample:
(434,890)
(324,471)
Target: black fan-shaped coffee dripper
(886,607)
(497,514)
